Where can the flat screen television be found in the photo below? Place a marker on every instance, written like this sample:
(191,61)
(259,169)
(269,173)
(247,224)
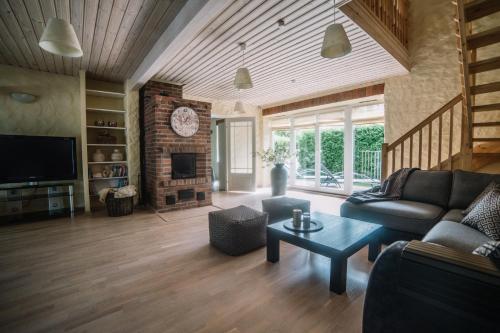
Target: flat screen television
(183,165)
(36,158)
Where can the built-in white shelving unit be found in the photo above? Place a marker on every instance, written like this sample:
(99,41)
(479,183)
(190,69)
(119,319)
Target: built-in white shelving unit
(103,103)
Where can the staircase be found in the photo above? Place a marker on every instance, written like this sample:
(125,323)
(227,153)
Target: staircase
(465,132)
(479,52)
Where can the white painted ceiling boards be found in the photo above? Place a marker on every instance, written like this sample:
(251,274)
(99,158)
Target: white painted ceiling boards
(283,63)
(117,35)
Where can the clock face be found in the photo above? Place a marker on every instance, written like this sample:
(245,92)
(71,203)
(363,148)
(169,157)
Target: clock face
(184,121)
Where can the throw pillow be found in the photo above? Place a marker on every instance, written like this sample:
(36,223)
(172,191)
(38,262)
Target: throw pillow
(491,186)
(489,249)
(485,216)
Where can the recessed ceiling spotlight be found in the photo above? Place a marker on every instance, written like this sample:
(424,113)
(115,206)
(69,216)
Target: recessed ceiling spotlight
(281,24)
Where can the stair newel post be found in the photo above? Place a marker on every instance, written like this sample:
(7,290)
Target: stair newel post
(384,161)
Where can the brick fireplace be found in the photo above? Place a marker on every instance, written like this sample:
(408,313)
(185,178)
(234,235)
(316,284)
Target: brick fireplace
(159,142)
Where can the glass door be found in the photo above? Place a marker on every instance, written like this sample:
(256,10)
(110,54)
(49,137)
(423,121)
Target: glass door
(331,127)
(305,151)
(368,124)
(240,137)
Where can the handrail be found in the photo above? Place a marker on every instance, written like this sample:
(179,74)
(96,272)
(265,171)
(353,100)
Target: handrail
(426,121)
(410,135)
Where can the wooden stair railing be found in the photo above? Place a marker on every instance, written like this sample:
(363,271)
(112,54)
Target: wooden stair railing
(394,156)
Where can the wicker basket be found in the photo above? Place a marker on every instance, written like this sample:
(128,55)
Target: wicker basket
(119,206)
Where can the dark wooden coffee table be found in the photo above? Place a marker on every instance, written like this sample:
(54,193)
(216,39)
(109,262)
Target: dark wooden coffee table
(339,239)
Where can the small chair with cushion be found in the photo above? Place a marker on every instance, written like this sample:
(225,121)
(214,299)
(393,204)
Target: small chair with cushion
(237,230)
(281,208)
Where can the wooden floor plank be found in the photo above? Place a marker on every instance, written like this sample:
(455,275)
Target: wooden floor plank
(157,273)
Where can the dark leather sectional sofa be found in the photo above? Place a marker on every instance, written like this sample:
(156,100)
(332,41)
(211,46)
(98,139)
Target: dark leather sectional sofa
(429,280)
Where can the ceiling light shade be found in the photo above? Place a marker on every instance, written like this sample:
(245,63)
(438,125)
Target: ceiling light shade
(238,108)
(242,80)
(22,97)
(335,44)
(59,38)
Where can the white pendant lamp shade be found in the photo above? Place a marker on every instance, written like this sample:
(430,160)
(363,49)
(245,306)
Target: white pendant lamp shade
(335,44)
(59,38)
(242,80)
(238,108)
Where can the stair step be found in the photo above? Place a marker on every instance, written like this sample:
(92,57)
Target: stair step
(486,107)
(485,88)
(487,124)
(486,139)
(480,8)
(484,65)
(486,154)
(484,38)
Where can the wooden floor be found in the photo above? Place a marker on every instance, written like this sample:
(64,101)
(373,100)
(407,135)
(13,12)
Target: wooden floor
(157,273)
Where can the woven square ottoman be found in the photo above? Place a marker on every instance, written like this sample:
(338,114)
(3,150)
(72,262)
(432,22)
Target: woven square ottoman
(237,230)
(281,208)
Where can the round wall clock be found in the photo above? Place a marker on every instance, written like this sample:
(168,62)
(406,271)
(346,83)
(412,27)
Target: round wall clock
(184,121)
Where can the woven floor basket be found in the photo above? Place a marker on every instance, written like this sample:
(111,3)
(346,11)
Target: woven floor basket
(119,206)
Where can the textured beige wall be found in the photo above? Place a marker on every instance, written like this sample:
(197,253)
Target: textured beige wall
(133,139)
(56,112)
(435,75)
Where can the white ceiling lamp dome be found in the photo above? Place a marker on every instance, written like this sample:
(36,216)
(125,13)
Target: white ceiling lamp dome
(242,79)
(335,43)
(60,38)
(238,108)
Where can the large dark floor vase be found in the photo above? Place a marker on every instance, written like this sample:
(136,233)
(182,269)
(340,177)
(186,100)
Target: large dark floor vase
(279,176)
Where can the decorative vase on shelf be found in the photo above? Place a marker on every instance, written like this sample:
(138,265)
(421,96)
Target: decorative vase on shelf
(98,156)
(116,155)
(279,176)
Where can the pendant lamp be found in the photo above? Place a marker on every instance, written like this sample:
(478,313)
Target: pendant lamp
(238,108)
(59,38)
(335,43)
(242,79)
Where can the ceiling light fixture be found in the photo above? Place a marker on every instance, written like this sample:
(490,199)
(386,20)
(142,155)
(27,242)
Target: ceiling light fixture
(59,38)
(281,24)
(22,97)
(238,108)
(242,79)
(335,43)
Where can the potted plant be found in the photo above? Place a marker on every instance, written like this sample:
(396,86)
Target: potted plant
(279,174)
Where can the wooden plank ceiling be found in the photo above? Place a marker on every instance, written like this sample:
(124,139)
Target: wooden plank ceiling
(284,63)
(115,35)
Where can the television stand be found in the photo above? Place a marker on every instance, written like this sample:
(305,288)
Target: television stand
(36,201)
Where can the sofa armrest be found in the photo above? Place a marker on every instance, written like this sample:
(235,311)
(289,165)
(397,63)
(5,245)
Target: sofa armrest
(423,287)
(451,260)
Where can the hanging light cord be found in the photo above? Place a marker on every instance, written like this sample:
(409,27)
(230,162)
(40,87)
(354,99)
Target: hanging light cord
(333,11)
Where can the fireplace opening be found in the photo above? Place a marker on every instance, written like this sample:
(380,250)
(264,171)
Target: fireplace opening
(183,165)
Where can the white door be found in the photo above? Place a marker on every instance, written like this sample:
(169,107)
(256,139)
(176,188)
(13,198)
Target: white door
(240,139)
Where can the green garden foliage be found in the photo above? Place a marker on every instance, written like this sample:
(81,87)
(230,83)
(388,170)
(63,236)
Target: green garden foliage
(366,138)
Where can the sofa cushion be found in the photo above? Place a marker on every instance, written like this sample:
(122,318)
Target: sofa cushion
(454,215)
(457,236)
(401,215)
(491,186)
(485,216)
(467,186)
(489,249)
(431,187)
